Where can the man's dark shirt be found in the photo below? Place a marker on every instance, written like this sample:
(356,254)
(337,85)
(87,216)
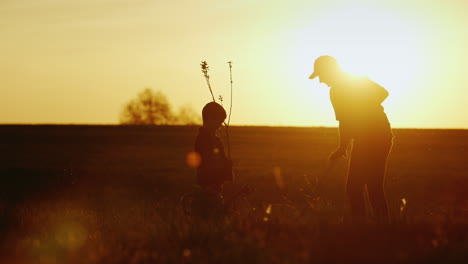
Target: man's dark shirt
(358,107)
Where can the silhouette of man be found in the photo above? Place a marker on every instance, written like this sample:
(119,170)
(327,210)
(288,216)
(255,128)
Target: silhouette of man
(362,120)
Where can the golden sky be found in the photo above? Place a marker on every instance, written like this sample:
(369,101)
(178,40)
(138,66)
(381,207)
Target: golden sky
(67,61)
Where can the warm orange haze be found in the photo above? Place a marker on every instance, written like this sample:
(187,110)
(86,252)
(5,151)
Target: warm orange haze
(81,61)
(112,194)
(301,131)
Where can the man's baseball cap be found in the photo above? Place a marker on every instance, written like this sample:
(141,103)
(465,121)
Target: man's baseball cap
(323,64)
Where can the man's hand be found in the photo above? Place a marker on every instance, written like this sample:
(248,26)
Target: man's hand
(339,153)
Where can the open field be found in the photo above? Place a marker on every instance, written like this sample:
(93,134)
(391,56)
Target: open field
(109,194)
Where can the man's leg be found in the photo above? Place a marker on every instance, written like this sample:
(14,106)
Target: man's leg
(375,183)
(356,183)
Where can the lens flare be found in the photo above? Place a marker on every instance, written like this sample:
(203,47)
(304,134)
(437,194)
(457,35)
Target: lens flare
(402,205)
(268,209)
(186,253)
(193,159)
(71,235)
(278,177)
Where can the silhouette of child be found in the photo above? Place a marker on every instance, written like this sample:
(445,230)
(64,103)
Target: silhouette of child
(215,168)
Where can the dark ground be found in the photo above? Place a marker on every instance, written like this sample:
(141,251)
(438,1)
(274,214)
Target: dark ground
(51,174)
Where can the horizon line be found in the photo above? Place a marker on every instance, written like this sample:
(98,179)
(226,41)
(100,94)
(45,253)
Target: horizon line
(188,125)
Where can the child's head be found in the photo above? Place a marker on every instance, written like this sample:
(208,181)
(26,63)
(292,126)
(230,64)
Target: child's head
(213,116)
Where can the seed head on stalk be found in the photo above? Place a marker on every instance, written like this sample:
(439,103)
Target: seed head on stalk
(226,124)
(205,68)
(230,106)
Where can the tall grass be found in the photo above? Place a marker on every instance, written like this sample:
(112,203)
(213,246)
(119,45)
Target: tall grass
(121,204)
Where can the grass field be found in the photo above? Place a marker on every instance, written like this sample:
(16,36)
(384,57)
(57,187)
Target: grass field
(110,194)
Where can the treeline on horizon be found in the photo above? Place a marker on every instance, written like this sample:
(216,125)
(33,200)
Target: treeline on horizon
(153,108)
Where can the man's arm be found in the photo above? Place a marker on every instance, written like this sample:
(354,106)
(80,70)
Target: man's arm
(345,135)
(345,138)
(381,93)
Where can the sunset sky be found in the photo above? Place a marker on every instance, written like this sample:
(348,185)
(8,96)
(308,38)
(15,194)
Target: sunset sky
(68,61)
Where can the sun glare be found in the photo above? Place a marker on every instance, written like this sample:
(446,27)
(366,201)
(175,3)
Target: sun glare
(373,42)
(363,38)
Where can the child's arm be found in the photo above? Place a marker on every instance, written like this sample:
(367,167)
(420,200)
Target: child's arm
(228,175)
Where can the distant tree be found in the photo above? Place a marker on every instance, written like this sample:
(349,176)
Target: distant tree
(149,108)
(153,108)
(187,116)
